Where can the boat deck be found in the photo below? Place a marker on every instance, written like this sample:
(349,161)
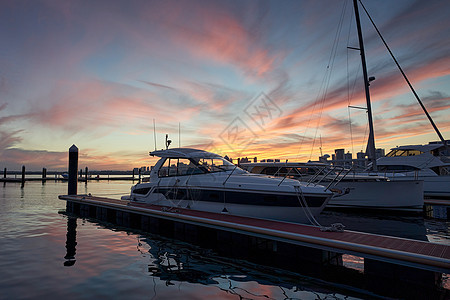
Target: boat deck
(413,253)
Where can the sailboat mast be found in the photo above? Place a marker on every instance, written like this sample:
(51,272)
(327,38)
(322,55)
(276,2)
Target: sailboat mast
(371,142)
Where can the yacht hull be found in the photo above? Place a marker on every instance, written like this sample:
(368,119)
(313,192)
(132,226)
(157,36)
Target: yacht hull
(433,186)
(287,207)
(404,196)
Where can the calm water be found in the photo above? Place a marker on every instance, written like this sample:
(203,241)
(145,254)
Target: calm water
(117,263)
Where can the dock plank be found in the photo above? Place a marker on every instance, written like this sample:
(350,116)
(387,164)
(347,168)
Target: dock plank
(421,253)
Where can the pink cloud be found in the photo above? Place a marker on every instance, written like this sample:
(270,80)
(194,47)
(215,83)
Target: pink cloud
(217,35)
(81,105)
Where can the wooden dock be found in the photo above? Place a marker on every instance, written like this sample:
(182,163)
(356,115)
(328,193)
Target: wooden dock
(441,202)
(400,264)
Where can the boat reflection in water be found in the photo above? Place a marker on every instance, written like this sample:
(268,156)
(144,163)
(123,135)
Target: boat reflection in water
(182,270)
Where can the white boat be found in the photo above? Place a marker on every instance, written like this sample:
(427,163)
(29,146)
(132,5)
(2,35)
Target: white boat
(430,163)
(204,181)
(351,190)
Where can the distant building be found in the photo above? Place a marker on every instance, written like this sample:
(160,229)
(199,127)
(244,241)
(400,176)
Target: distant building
(360,162)
(342,159)
(379,153)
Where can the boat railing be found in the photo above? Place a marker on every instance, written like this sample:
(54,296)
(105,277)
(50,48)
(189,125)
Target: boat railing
(339,174)
(285,176)
(338,178)
(319,171)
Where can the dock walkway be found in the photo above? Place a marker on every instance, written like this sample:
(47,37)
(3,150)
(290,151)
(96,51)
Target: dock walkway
(411,253)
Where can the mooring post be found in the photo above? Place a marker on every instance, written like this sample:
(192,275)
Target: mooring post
(139,175)
(73,168)
(44,175)
(86,174)
(23,176)
(4,173)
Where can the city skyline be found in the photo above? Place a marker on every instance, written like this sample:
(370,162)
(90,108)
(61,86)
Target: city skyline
(241,78)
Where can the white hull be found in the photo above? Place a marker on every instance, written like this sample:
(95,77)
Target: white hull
(382,195)
(285,214)
(433,186)
(298,214)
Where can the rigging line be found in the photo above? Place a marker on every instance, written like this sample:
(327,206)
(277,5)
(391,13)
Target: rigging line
(406,78)
(322,89)
(327,77)
(348,84)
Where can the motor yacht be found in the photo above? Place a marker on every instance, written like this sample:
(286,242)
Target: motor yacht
(430,163)
(351,190)
(204,181)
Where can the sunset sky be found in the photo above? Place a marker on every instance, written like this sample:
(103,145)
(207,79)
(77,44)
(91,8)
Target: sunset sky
(271,79)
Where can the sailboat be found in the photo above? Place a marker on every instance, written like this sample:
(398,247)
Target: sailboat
(407,162)
(353,191)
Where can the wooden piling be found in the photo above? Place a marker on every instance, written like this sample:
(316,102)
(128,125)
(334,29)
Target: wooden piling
(23,176)
(73,167)
(44,175)
(4,173)
(86,174)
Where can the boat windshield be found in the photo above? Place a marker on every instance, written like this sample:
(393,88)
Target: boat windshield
(211,165)
(185,166)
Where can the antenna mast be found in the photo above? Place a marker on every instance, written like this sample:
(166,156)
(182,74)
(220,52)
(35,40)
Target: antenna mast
(154,132)
(320,145)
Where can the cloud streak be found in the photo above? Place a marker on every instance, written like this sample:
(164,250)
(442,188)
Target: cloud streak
(98,75)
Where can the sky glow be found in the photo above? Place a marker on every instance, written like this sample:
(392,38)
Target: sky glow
(96,74)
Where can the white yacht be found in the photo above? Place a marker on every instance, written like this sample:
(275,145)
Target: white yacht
(430,163)
(204,181)
(351,190)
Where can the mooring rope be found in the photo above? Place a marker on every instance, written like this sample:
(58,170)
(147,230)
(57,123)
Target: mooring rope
(304,204)
(335,227)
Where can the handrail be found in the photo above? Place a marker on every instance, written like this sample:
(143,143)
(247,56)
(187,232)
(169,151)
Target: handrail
(316,175)
(285,176)
(343,176)
(337,176)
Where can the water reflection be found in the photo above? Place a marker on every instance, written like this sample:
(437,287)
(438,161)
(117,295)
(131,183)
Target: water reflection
(173,264)
(71,241)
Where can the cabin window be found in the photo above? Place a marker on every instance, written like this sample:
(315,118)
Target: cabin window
(399,152)
(178,167)
(141,191)
(274,171)
(398,168)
